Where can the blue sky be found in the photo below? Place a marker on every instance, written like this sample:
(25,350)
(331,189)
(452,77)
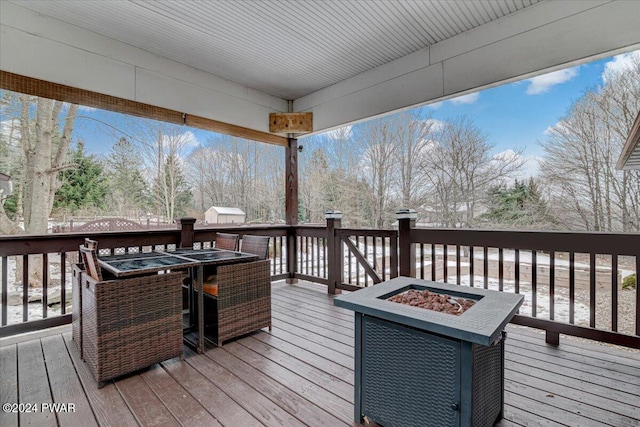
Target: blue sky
(513,116)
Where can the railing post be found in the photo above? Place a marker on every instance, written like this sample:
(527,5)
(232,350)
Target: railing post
(186,232)
(292,254)
(334,251)
(407,257)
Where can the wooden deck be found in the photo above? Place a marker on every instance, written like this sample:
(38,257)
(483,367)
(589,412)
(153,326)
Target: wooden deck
(302,374)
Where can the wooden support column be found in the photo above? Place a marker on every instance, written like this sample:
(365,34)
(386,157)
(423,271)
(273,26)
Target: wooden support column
(407,262)
(186,232)
(291,205)
(334,247)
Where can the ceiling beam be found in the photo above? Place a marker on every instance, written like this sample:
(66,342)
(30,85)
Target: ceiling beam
(35,87)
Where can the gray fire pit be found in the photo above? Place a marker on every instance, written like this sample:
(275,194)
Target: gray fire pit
(418,367)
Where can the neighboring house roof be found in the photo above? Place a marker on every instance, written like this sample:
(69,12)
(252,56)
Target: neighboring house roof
(630,156)
(226,211)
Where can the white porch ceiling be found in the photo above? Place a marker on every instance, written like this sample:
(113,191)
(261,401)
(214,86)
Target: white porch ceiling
(345,61)
(287,49)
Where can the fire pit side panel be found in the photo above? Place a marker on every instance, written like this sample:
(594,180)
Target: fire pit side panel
(409,378)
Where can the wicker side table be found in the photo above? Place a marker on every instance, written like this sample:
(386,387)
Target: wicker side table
(130,324)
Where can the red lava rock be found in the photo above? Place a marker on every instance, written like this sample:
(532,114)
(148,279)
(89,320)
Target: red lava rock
(433,301)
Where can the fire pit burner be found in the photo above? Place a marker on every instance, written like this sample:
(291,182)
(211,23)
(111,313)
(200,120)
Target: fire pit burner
(433,301)
(416,367)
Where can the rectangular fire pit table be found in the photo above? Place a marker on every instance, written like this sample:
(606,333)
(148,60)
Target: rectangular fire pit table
(419,367)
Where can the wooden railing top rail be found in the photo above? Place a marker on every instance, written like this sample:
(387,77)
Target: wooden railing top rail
(558,241)
(366,232)
(64,242)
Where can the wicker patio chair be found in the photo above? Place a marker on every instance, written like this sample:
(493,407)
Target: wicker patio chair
(257,245)
(227,241)
(242,303)
(76,313)
(130,323)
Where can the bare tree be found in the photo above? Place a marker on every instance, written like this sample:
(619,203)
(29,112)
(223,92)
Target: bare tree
(377,138)
(414,135)
(581,152)
(460,170)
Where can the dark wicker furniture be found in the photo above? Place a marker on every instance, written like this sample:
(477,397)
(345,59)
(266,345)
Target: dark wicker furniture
(130,324)
(227,241)
(243,303)
(257,245)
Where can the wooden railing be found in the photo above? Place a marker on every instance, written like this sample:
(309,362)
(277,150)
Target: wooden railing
(50,257)
(565,277)
(552,269)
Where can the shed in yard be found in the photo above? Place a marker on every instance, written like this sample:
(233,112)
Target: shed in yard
(221,215)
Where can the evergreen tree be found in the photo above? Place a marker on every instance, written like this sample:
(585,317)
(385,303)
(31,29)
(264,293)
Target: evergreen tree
(128,190)
(83,186)
(519,206)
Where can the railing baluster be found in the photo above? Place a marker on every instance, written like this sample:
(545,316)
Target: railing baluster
(384,258)
(592,290)
(349,260)
(457,264)
(45,284)
(552,284)
(445,262)
(534,283)
(422,261)
(471,267)
(433,262)
(572,287)
(500,269)
(25,287)
(516,271)
(638,293)
(63,282)
(5,289)
(485,261)
(324,254)
(614,292)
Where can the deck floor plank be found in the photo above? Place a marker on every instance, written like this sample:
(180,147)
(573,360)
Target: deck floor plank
(145,405)
(261,407)
(65,385)
(178,401)
(107,404)
(626,409)
(323,363)
(307,370)
(301,373)
(9,383)
(33,386)
(283,387)
(212,398)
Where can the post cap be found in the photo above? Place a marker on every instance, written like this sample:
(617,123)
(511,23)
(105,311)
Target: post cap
(406,214)
(186,220)
(331,214)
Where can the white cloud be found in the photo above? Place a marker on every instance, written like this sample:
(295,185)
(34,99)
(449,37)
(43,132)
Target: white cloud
(186,139)
(530,164)
(531,167)
(436,125)
(466,99)
(341,134)
(620,63)
(557,128)
(542,84)
(435,105)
